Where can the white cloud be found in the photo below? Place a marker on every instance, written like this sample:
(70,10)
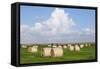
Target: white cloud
(57,28)
(58,23)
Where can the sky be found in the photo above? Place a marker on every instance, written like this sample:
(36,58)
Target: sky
(56,25)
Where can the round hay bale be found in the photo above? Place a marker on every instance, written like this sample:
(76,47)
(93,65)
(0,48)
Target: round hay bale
(86,45)
(56,52)
(32,49)
(35,46)
(77,48)
(54,46)
(49,45)
(69,45)
(24,46)
(60,46)
(64,46)
(81,46)
(46,52)
(71,48)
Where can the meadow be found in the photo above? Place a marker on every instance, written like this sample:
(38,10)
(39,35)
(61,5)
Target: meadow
(86,53)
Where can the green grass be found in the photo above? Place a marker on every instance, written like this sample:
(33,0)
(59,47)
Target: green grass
(86,53)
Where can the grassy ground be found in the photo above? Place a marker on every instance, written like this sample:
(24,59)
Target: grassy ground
(86,53)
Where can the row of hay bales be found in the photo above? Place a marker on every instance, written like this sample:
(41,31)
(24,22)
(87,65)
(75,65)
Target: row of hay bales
(54,50)
(26,46)
(33,49)
(46,51)
(61,46)
(68,45)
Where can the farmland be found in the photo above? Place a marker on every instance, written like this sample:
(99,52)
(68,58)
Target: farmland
(86,53)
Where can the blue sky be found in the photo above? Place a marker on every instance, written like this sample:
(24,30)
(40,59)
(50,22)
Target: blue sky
(44,25)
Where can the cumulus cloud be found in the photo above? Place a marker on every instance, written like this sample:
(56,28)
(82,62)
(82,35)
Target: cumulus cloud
(57,28)
(58,23)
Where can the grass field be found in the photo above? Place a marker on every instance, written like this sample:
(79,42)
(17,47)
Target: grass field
(86,53)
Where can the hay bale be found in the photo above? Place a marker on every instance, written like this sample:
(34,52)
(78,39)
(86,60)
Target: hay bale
(24,46)
(35,46)
(54,46)
(69,45)
(77,48)
(60,46)
(32,49)
(86,45)
(81,46)
(46,52)
(56,52)
(71,48)
(64,46)
(49,45)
